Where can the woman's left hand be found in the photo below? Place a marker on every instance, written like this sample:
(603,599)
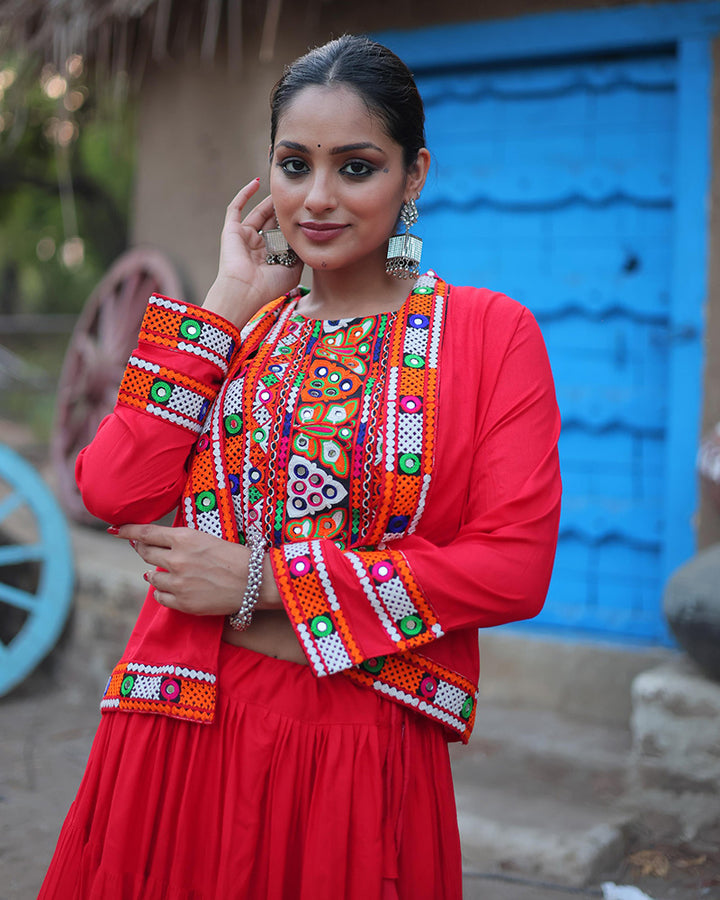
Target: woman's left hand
(204,575)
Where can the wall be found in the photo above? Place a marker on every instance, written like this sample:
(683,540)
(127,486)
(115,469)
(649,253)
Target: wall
(203,134)
(201,138)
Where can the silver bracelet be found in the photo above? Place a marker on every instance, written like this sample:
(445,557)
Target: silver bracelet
(241,619)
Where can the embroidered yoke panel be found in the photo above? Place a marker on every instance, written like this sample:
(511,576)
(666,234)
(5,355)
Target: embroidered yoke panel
(287,451)
(325,431)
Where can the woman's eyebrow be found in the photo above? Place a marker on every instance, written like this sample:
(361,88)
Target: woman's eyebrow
(292,145)
(345,148)
(362,145)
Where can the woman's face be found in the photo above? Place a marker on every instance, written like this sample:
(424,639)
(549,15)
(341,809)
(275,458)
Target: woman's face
(338,180)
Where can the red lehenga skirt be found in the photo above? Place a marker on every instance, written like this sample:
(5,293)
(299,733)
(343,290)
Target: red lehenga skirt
(302,788)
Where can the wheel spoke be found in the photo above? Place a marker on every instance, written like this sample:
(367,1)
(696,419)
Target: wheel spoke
(10,504)
(127,321)
(76,430)
(14,554)
(15,597)
(129,288)
(87,349)
(106,321)
(109,313)
(73,386)
(76,391)
(111,393)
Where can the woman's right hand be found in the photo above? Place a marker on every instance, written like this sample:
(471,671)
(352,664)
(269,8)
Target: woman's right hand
(245,282)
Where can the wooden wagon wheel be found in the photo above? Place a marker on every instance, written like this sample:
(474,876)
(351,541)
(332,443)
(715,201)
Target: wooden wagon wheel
(99,347)
(36,569)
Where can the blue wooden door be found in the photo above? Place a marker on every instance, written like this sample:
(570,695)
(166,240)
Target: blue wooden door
(555,183)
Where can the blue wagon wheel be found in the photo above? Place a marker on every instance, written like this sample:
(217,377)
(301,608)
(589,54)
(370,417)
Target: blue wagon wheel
(36,570)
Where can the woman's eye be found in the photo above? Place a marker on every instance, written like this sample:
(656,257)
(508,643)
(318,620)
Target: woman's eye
(357,168)
(294,166)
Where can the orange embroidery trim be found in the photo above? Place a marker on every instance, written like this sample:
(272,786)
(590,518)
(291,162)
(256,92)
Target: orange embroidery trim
(170,690)
(423,685)
(189,328)
(164,392)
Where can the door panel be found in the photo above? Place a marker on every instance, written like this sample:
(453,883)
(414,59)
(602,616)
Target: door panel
(554,184)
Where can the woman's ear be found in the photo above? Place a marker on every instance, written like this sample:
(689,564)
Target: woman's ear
(418,172)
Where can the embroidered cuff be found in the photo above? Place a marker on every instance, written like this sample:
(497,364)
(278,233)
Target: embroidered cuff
(190,329)
(307,589)
(415,681)
(170,690)
(162,392)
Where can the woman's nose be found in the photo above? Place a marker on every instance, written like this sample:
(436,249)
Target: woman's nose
(321,194)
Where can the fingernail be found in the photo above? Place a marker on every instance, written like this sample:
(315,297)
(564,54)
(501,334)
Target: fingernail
(146,577)
(258,178)
(113,529)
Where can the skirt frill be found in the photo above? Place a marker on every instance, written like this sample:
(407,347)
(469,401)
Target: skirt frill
(302,788)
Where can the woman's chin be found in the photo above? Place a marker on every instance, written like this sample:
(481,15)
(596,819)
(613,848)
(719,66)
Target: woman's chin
(321,262)
(338,261)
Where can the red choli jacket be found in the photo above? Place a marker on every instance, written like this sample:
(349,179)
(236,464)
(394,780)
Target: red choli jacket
(468,544)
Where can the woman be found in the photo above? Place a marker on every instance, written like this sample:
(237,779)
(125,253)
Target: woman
(365,473)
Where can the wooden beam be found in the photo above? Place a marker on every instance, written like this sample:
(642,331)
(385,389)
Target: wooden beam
(269,35)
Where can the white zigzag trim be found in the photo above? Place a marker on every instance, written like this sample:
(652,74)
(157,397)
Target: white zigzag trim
(189,516)
(434,348)
(150,670)
(167,304)
(195,673)
(170,670)
(391,414)
(143,364)
(215,438)
(312,653)
(367,587)
(422,705)
(219,361)
(427,479)
(173,417)
(110,704)
(316,553)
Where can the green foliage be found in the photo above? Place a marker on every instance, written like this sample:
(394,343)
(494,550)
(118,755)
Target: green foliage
(66,165)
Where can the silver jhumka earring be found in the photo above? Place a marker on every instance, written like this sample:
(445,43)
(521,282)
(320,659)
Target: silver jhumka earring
(405,250)
(279,252)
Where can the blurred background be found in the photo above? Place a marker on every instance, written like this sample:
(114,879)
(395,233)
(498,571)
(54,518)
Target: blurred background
(572,171)
(575,168)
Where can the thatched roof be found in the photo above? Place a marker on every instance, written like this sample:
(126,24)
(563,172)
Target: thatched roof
(124,35)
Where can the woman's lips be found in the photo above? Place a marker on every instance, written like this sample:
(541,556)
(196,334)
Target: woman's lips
(320,232)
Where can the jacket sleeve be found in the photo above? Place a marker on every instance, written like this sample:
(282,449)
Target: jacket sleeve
(135,468)
(348,607)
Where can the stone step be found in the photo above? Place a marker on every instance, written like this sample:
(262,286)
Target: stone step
(675,767)
(538,795)
(539,837)
(588,755)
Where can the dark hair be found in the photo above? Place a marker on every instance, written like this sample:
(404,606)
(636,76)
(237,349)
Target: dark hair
(379,77)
